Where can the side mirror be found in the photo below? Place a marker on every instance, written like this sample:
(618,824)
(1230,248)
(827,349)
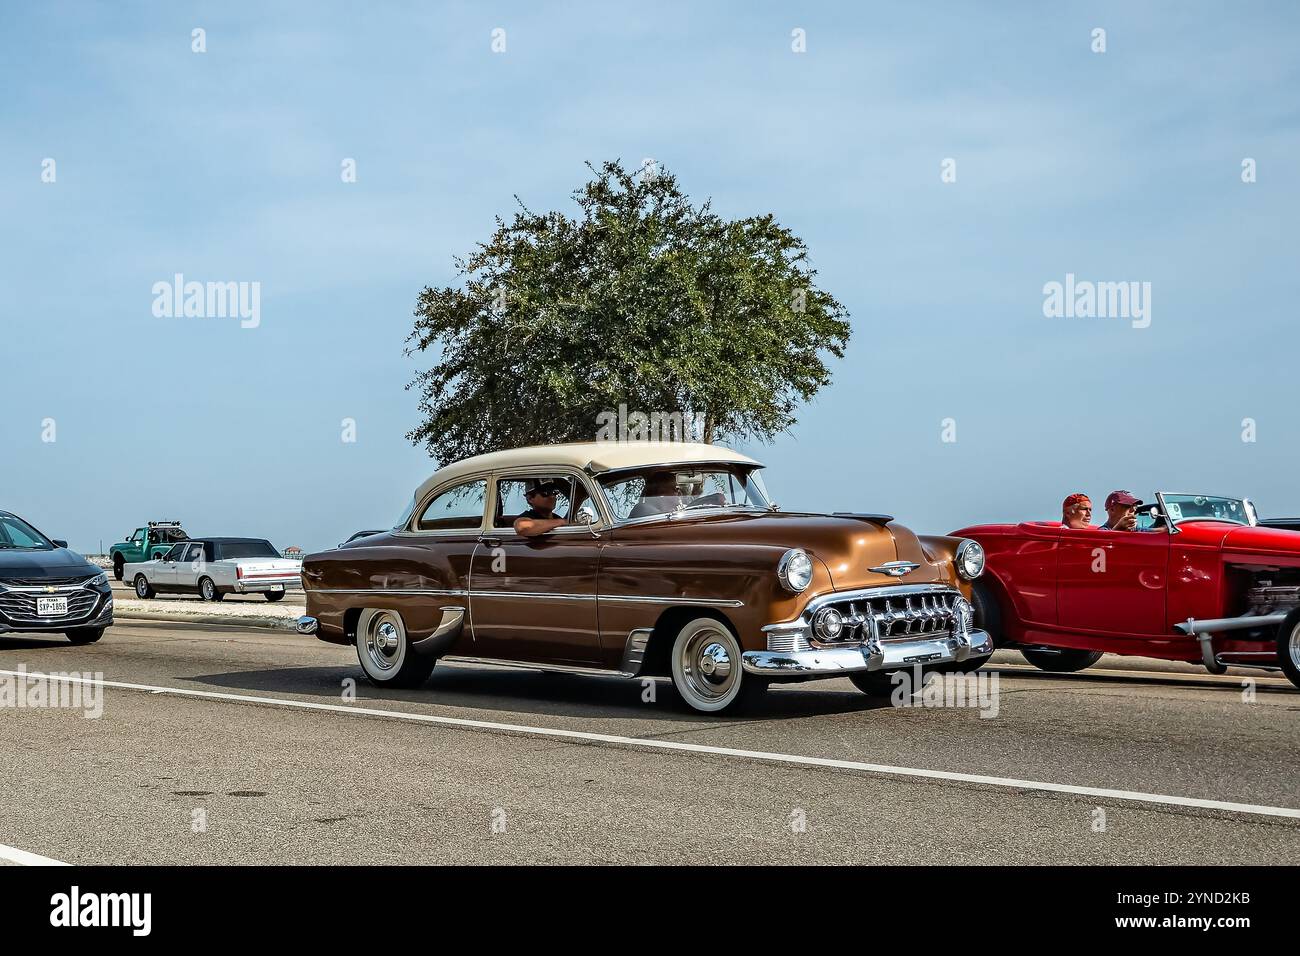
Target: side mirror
(587,517)
(58,543)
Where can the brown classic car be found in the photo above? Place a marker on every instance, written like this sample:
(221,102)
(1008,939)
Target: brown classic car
(646,560)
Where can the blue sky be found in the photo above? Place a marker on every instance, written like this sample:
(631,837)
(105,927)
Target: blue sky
(225,166)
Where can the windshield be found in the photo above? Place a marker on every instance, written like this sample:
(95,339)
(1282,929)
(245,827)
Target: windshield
(1208,508)
(675,489)
(17,535)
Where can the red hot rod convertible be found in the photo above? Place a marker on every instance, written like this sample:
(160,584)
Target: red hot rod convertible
(1200,580)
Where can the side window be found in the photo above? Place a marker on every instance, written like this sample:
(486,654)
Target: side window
(457,509)
(513,500)
(176,553)
(195,553)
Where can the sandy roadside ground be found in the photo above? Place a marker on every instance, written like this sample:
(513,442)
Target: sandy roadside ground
(247,610)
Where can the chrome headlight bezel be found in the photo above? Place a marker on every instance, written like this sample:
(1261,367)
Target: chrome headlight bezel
(795,566)
(100,580)
(969,559)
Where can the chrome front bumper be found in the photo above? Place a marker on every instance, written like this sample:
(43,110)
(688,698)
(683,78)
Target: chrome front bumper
(871,655)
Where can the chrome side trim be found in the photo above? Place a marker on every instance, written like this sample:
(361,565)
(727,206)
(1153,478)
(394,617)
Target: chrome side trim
(544,595)
(634,651)
(480,593)
(693,602)
(444,635)
(440,592)
(534,666)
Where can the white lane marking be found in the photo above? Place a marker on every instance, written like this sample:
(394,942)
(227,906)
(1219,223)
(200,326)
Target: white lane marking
(23,858)
(654,744)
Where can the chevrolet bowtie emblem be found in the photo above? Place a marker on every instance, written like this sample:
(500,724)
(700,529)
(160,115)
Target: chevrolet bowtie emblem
(49,589)
(896,568)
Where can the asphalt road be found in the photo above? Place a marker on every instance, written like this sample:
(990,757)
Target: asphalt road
(276,765)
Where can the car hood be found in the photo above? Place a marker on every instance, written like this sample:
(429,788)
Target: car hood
(1245,541)
(849,547)
(59,563)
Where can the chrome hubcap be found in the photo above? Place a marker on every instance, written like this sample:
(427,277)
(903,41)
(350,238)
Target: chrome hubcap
(1294,646)
(383,642)
(715,663)
(707,666)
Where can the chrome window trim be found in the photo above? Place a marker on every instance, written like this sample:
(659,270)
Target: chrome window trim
(410,529)
(593,494)
(599,477)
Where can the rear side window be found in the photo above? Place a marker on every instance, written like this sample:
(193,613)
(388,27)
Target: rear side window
(234,550)
(457,509)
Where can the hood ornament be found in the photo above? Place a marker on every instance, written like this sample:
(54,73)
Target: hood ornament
(895,568)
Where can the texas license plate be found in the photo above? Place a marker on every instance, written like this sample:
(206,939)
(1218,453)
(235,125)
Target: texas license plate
(277,587)
(51,607)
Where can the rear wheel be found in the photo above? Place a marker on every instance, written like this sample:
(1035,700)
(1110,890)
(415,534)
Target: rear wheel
(707,671)
(274,595)
(1288,647)
(208,590)
(385,653)
(1060,660)
(143,589)
(84,635)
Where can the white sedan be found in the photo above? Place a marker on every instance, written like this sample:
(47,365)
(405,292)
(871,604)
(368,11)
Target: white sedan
(215,567)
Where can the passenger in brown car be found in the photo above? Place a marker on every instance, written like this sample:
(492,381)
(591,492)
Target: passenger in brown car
(659,495)
(540,516)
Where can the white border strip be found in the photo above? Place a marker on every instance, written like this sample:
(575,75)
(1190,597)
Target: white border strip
(653,744)
(23,858)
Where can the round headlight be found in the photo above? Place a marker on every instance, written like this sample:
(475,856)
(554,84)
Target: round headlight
(795,570)
(970,559)
(828,624)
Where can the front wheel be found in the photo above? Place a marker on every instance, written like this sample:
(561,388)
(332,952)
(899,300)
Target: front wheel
(143,589)
(1288,647)
(1060,660)
(84,635)
(707,671)
(119,567)
(385,653)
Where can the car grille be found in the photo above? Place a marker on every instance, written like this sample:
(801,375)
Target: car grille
(892,617)
(19,607)
(48,582)
(912,615)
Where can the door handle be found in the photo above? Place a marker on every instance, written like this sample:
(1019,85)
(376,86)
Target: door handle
(490,542)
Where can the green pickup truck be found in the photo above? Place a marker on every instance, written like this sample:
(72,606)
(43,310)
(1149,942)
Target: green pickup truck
(146,544)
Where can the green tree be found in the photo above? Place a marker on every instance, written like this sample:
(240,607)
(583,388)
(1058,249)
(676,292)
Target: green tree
(642,299)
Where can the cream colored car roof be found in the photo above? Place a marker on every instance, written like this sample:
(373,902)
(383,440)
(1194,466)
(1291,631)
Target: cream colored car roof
(593,457)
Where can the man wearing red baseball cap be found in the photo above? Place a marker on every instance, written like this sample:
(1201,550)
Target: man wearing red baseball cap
(1121,511)
(1076,512)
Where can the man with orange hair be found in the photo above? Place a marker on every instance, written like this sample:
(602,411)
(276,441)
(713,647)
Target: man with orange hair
(1076,512)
